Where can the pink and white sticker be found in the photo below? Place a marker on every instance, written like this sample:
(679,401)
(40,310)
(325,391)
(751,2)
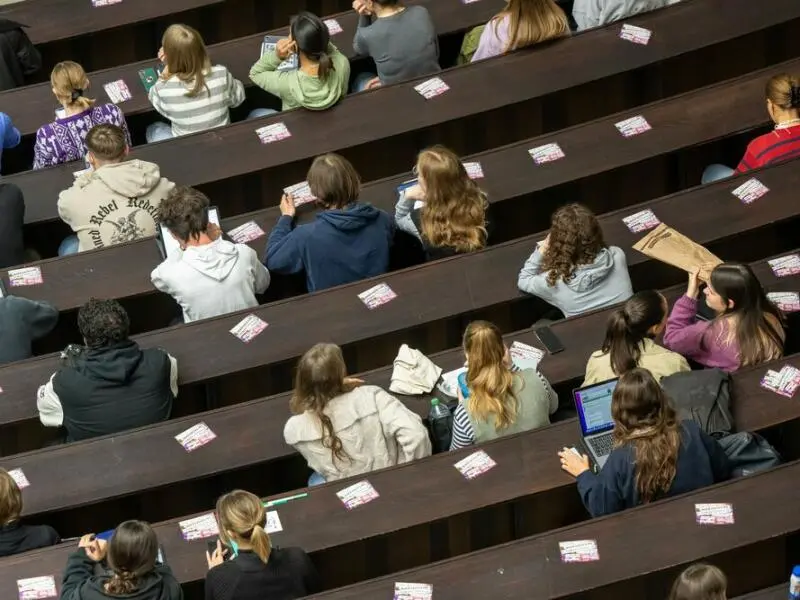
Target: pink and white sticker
(788,302)
(333,26)
(248,328)
(784,382)
(118,91)
(198,528)
(475,464)
(99,3)
(274,132)
(377,296)
(633,126)
(246,232)
(750,191)
(300,193)
(578,551)
(432,88)
(37,588)
(719,513)
(25,276)
(547,153)
(19,478)
(644,220)
(783,266)
(474,170)
(195,437)
(637,35)
(413,591)
(357,494)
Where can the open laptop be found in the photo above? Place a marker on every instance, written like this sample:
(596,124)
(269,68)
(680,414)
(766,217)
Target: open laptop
(593,404)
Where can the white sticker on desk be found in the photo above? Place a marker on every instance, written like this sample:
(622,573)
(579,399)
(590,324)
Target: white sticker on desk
(377,296)
(633,126)
(714,514)
(644,220)
(357,494)
(475,464)
(525,356)
(300,193)
(413,591)
(785,265)
(579,551)
(195,437)
(274,132)
(637,35)
(248,328)
(273,522)
(25,276)
(19,477)
(432,88)
(474,170)
(246,232)
(333,26)
(198,528)
(750,191)
(37,588)
(547,153)
(118,91)
(786,301)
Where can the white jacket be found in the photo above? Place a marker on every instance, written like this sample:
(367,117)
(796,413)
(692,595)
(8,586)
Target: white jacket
(594,13)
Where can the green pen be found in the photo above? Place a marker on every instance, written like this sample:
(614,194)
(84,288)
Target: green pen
(271,503)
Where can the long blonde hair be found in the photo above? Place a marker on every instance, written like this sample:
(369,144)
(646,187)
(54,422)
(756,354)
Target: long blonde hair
(454,214)
(490,381)
(532,22)
(241,515)
(187,57)
(69,83)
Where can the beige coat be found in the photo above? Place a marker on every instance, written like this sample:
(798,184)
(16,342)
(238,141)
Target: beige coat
(656,359)
(376,430)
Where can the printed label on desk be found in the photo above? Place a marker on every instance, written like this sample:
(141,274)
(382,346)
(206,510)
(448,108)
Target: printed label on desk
(750,191)
(300,193)
(785,265)
(195,437)
(98,3)
(784,382)
(357,494)
(633,126)
(25,276)
(643,220)
(273,522)
(637,35)
(525,356)
(786,301)
(579,551)
(19,477)
(248,328)
(432,88)
(719,513)
(377,296)
(333,26)
(475,464)
(36,588)
(246,232)
(474,170)
(547,153)
(413,591)
(198,528)
(118,91)
(274,132)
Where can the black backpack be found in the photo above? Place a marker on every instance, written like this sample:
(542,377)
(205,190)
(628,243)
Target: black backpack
(703,397)
(749,453)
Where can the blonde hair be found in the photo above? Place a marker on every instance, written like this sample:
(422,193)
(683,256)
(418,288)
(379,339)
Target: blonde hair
(454,214)
(10,499)
(784,91)
(489,379)
(69,81)
(700,582)
(187,57)
(242,514)
(532,22)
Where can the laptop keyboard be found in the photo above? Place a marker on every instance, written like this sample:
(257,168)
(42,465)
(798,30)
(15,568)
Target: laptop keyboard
(601,445)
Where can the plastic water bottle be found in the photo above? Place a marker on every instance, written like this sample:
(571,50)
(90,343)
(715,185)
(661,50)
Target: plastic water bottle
(440,420)
(794,584)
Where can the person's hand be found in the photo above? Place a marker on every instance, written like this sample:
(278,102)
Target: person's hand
(353,381)
(95,549)
(544,245)
(284,48)
(415,193)
(572,462)
(162,57)
(287,206)
(693,288)
(217,557)
(362,7)
(373,83)
(213,231)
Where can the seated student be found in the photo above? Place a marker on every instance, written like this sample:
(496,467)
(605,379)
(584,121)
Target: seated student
(783,106)
(446,210)
(116,201)
(748,328)
(594,13)
(400,39)
(21,322)
(344,428)
(191,92)
(109,384)
(62,140)
(254,569)
(347,241)
(572,268)
(14,536)
(9,135)
(629,341)
(654,455)
(210,276)
(700,582)
(502,399)
(134,571)
(19,58)
(12,221)
(322,78)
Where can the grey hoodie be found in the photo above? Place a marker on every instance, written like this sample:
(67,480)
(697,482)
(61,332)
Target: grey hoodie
(211,280)
(594,13)
(598,285)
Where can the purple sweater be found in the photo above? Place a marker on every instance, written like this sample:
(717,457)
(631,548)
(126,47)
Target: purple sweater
(702,341)
(62,140)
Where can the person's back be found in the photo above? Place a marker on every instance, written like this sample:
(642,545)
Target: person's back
(655,358)
(594,13)
(12,220)
(21,322)
(18,56)
(14,536)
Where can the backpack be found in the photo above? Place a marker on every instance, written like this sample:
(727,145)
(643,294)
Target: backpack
(749,453)
(703,397)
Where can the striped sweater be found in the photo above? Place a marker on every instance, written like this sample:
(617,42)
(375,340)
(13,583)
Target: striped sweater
(208,109)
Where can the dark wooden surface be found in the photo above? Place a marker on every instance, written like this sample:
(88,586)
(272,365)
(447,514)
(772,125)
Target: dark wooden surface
(776,592)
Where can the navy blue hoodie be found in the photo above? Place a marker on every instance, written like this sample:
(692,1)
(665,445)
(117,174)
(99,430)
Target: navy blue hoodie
(340,246)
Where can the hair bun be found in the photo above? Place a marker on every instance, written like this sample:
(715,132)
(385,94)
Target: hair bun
(76,94)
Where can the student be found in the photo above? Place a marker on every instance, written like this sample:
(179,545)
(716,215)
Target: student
(654,455)
(19,58)
(116,201)
(594,13)
(319,82)
(109,384)
(400,39)
(14,536)
(629,341)
(572,268)
(62,140)
(520,24)
(21,322)
(700,582)
(12,222)
(748,328)
(502,400)
(210,276)
(783,143)
(132,558)
(9,135)
(255,569)
(191,92)
(445,210)
(347,241)
(344,428)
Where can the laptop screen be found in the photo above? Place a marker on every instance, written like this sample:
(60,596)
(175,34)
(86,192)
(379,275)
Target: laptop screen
(593,404)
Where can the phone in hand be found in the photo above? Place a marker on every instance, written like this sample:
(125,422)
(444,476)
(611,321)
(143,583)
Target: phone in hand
(549,340)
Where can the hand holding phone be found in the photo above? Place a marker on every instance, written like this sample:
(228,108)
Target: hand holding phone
(215,553)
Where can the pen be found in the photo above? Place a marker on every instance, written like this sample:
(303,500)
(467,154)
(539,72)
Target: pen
(284,500)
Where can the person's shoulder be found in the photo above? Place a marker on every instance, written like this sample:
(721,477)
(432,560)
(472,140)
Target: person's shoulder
(617,253)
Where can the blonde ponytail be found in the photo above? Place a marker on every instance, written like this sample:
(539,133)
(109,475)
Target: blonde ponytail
(241,516)
(69,82)
(261,544)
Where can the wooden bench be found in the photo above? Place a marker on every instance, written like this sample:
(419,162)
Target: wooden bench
(776,592)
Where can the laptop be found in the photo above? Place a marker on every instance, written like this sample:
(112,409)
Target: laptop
(593,404)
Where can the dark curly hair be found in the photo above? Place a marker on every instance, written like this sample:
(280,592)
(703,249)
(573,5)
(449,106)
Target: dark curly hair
(103,322)
(575,239)
(185,212)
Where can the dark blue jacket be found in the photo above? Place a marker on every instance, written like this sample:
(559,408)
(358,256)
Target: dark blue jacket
(339,246)
(701,462)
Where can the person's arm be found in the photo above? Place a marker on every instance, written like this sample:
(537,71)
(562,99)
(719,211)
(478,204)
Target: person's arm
(490,43)
(11,137)
(684,333)
(402,213)
(43,156)
(155,98)
(463,434)
(51,413)
(599,492)
(234,90)
(285,247)
(586,14)
(159,280)
(552,397)
(41,317)
(173,374)
(720,465)
(360,43)
(265,75)
(261,277)
(531,279)
(749,160)
(80,568)
(403,425)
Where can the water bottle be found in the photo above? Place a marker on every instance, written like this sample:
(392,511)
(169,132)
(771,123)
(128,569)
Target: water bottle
(794,584)
(440,420)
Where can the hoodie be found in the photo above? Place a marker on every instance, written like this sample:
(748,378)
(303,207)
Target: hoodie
(594,13)
(340,246)
(213,279)
(116,203)
(21,322)
(108,389)
(598,285)
(295,88)
(16,537)
(80,583)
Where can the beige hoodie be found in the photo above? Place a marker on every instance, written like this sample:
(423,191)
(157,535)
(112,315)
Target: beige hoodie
(114,204)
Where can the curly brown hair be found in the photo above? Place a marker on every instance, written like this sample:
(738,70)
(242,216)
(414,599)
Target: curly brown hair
(575,239)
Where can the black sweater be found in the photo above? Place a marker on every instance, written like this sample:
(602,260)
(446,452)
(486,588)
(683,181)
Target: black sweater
(16,537)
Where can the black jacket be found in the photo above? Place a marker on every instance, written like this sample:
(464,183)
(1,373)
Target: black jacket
(21,322)
(19,57)
(12,218)
(16,537)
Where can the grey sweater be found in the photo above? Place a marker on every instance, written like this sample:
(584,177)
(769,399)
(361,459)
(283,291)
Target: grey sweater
(21,322)
(403,45)
(594,13)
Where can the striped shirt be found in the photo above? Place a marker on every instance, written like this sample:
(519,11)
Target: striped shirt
(775,146)
(208,109)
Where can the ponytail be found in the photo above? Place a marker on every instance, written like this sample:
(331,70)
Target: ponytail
(330,440)
(122,583)
(325,65)
(68,80)
(259,540)
(622,348)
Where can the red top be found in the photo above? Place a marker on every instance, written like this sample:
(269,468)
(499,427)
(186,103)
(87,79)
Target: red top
(772,147)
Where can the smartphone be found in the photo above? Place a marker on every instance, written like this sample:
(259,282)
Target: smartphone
(149,76)
(549,340)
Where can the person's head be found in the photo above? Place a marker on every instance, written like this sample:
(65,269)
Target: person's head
(534,21)
(575,239)
(700,582)
(644,315)
(103,322)
(645,419)
(131,554)
(106,144)
(10,499)
(735,293)
(185,213)
(454,214)
(334,181)
(241,518)
(311,37)
(69,84)
(489,379)
(186,56)
(783,97)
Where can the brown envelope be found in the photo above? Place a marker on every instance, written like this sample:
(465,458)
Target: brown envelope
(672,247)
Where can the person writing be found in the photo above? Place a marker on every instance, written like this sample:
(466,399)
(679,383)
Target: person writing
(14,536)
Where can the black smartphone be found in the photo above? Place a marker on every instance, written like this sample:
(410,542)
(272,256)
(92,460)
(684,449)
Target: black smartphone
(549,340)
(211,545)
